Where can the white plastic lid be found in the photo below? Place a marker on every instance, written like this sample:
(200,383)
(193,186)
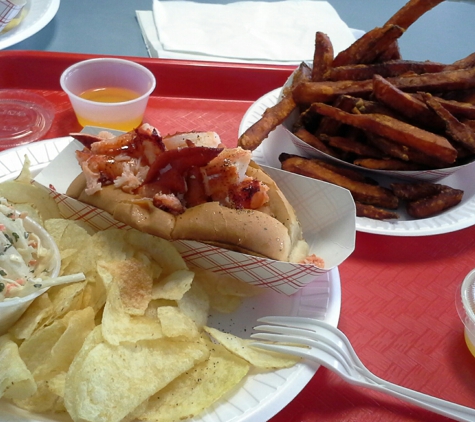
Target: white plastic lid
(24,117)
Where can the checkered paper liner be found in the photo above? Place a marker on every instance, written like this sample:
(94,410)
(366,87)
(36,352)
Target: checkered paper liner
(8,10)
(326,212)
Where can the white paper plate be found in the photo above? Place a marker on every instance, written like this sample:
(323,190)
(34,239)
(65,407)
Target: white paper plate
(456,218)
(261,395)
(39,14)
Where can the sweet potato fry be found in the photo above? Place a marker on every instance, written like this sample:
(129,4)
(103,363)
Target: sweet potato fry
(362,192)
(432,205)
(415,191)
(392,52)
(322,57)
(327,91)
(386,164)
(375,213)
(457,108)
(329,126)
(271,118)
(348,172)
(405,104)
(396,130)
(465,96)
(351,145)
(385,69)
(454,128)
(404,153)
(470,123)
(309,92)
(412,11)
(274,115)
(464,63)
(370,107)
(315,142)
(447,80)
(404,18)
(367,48)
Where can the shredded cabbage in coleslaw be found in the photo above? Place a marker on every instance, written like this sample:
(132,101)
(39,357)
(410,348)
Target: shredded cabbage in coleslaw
(24,261)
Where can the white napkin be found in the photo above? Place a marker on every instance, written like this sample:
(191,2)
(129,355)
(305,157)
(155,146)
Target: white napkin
(278,32)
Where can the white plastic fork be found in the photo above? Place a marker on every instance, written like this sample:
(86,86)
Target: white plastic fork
(329,347)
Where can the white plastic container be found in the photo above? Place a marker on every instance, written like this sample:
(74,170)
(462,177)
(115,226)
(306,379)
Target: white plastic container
(120,111)
(12,309)
(465,302)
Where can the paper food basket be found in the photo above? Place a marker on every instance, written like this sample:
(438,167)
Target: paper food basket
(326,212)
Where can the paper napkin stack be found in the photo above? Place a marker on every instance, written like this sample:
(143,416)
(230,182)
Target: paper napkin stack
(277,32)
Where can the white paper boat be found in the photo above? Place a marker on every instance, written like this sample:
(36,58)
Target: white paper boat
(326,212)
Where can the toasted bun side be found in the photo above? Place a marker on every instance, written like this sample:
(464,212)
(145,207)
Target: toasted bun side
(249,230)
(147,219)
(77,186)
(299,252)
(274,233)
(280,207)
(142,216)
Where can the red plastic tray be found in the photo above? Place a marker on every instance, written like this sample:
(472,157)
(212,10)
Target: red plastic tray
(188,96)
(398,293)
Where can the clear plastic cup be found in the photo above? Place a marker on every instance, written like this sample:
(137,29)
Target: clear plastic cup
(12,309)
(465,303)
(108,92)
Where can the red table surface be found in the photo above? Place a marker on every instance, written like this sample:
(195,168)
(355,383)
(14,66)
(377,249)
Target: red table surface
(398,293)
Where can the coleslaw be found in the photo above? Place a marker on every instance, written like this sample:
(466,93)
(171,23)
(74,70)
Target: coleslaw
(24,261)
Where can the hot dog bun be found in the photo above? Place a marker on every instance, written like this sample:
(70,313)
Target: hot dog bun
(273,232)
(188,186)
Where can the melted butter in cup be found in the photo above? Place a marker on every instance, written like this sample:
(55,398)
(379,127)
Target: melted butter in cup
(108,92)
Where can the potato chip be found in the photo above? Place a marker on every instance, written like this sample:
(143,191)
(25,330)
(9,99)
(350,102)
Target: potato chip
(110,245)
(198,388)
(65,298)
(36,196)
(175,324)
(56,228)
(75,245)
(173,286)
(39,310)
(195,304)
(16,381)
(67,257)
(35,351)
(243,347)
(94,294)
(84,261)
(25,175)
(56,384)
(78,324)
(105,383)
(223,303)
(162,251)
(151,311)
(31,212)
(134,282)
(92,340)
(118,326)
(132,416)
(153,267)
(44,400)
